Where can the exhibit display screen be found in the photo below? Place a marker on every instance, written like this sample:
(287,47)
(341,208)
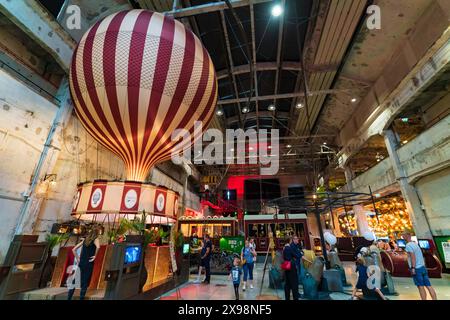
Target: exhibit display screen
(424,244)
(185,248)
(132,254)
(401,243)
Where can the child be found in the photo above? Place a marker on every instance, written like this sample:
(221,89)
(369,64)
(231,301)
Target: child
(363,276)
(235,275)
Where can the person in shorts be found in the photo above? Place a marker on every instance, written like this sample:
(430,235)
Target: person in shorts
(418,269)
(235,275)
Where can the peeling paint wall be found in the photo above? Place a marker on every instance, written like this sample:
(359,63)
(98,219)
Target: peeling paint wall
(25,119)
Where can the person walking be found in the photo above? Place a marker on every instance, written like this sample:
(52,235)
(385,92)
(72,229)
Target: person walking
(206,258)
(248,255)
(89,249)
(290,271)
(235,275)
(418,269)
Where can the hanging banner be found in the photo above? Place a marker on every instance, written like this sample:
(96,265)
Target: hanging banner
(160,201)
(130,197)
(97,197)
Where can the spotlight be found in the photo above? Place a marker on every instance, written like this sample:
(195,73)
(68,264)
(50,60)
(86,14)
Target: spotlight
(277,10)
(271,108)
(245,110)
(354,100)
(288,146)
(299,105)
(219,112)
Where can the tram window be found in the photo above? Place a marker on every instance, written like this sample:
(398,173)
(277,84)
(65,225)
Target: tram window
(252,230)
(226,230)
(290,229)
(185,230)
(194,230)
(262,232)
(300,229)
(272,228)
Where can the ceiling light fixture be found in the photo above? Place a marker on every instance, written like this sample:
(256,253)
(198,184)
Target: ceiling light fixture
(245,110)
(277,10)
(288,146)
(271,107)
(299,105)
(219,112)
(354,100)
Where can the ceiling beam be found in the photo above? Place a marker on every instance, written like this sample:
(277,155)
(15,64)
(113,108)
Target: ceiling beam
(36,22)
(211,7)
(230,63)
(279,61)
(261,114)
(273,66)
(282,96)
(255,72)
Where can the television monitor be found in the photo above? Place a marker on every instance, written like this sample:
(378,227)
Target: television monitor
(185,248)
(132,254)
(401,243)
(424,244)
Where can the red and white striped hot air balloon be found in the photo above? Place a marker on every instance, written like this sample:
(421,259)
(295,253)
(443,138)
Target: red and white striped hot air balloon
(135,77)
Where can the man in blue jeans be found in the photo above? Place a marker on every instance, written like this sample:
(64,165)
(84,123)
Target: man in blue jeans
(205,256)
(418,269)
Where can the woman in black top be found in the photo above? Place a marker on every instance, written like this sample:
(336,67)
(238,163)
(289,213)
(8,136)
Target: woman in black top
(89,249)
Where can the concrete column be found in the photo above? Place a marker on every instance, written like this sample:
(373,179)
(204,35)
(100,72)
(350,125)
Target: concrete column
(348,178)
(361,220)
(413,204)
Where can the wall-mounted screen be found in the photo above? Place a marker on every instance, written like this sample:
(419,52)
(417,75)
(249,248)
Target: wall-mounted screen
(185,248)
(424,244)
(132,254)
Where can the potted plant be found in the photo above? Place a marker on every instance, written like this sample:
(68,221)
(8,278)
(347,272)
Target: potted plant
(53,240)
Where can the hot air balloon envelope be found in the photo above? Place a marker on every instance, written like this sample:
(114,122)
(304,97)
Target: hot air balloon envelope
(135,77)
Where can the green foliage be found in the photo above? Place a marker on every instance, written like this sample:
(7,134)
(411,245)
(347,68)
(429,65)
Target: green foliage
(178,239)
(55,239)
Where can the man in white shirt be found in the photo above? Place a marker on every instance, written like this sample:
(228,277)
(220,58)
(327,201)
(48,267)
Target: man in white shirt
(418,269)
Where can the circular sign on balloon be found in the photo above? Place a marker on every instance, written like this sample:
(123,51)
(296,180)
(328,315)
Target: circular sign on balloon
(160,202)
(130,199)
(137,76)
(96,198)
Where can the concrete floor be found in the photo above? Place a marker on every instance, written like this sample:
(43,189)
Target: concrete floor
(222,289)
